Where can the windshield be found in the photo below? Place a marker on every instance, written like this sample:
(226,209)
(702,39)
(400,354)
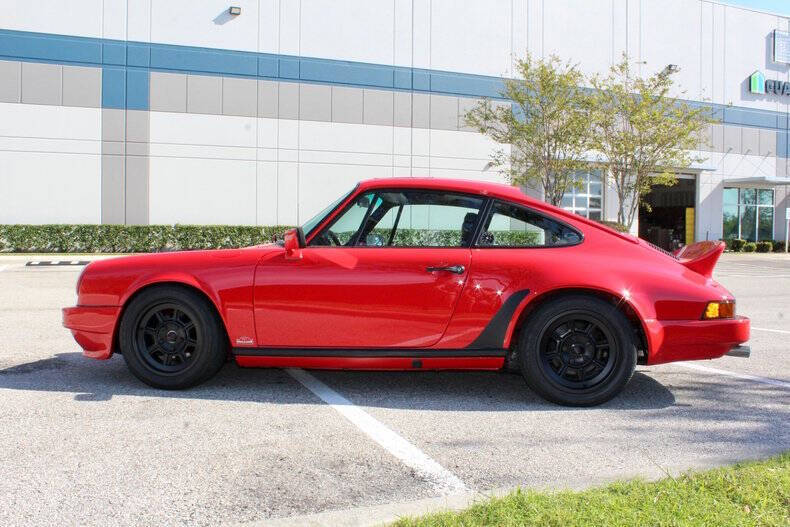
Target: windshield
(313,222)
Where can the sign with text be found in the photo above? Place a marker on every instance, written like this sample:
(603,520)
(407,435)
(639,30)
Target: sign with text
(781,46)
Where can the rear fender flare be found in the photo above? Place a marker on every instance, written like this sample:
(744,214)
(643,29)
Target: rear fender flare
(534,301)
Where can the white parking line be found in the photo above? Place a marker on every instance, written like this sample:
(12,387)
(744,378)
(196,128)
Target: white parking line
(745,376)
(443,480)
(773,330)
(727,275)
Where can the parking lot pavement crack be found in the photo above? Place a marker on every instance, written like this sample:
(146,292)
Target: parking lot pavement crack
(444,482)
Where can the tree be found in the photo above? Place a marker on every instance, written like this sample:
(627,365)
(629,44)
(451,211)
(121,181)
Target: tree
(641,133)
(546,126)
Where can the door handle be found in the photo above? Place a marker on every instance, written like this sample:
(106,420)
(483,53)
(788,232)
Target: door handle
(457,269)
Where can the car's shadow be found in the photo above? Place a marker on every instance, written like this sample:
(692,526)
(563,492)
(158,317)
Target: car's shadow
(443,391)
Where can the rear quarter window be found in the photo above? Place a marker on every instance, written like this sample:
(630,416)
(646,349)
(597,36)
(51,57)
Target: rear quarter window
(510,225)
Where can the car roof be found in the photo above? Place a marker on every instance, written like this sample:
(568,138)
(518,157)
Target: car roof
(458,185)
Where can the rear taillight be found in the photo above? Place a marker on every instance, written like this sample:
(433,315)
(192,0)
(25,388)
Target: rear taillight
(720,309)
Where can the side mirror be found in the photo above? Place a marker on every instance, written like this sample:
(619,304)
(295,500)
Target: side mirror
(293,244)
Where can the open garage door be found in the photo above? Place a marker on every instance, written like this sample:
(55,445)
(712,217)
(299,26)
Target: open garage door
(669,222)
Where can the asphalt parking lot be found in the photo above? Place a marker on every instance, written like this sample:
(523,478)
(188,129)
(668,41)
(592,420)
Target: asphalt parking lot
(83,442)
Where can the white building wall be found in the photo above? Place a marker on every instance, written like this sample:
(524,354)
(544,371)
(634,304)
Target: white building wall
(214,168)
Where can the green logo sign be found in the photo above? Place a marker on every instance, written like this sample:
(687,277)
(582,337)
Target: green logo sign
(757,82)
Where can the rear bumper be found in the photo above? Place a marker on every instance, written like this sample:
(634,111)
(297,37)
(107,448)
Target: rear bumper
(676,340)
(93,328)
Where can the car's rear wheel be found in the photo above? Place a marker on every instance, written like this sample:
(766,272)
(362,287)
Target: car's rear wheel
(171,338)
(577,351)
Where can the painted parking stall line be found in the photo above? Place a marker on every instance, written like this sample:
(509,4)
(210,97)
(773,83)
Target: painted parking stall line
(56,263)
(444,481)
(744,376)
(782,331)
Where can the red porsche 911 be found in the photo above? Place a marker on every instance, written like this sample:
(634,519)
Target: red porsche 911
(417,274)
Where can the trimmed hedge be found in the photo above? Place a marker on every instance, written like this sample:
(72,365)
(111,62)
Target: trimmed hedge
(765,247)
(735,244)
(130,238)
(749,247)
(779,246)
(156,238)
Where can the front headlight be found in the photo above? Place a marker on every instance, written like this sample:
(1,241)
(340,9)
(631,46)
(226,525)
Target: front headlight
(719,309)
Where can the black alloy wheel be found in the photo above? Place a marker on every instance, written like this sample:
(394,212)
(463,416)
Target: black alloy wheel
(171,337)
(167,338)
(577,350)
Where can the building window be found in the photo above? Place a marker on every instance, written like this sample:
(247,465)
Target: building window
(587,200)
(748,213)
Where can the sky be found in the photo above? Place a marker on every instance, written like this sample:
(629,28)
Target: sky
(781,7)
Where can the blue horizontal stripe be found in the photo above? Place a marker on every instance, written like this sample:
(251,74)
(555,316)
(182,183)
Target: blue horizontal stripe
(126,71)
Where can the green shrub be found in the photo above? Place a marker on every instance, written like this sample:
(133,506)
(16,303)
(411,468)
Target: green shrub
(619,227)
(779,246)
(749,247)
(764,247)
(130,238)
(735,244)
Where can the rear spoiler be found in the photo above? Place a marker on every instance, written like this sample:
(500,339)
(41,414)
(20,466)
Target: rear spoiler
(700,257)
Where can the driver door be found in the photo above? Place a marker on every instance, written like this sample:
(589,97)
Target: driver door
(387,273)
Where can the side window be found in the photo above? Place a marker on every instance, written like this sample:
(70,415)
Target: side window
(434,219)
(510,225)
(405,218)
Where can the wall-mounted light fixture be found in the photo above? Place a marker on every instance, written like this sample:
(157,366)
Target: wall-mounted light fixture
(670,69)
(234,10)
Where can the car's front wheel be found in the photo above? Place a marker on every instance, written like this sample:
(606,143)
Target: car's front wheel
(577,351)
(171,338)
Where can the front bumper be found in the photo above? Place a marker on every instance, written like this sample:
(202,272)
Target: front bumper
(93,328)
(676,340)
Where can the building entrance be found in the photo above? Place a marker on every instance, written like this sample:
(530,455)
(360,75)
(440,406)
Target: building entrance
(670,222)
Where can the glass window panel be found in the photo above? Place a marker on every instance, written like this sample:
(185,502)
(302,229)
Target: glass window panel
(748,222)
(748,196)
(590,195)
(595,214)
(765,196)
(731,196)
(427,219)
(347,223)
(730,214)
(765,230)
(432,219)
(514,226)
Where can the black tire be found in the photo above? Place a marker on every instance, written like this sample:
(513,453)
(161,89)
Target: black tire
(577,351)
(171,338)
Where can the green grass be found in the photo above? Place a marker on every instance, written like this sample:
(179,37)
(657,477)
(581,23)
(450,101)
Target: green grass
(755,493)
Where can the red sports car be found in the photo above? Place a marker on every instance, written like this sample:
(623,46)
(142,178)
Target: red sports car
(417,274)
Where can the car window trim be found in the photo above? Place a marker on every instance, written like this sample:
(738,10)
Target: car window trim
(480,214)
(490,212)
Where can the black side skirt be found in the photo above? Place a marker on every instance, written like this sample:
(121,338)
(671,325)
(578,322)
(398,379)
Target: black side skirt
(395,352)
